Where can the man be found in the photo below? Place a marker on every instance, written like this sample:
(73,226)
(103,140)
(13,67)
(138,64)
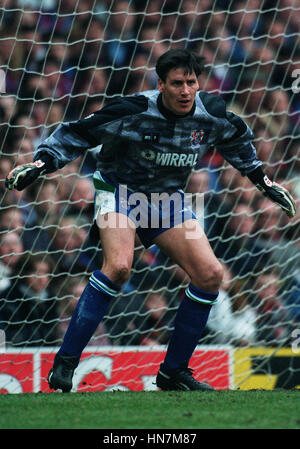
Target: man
(151,141)
(29,308)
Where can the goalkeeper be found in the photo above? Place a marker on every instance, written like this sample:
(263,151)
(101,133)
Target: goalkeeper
(150,143)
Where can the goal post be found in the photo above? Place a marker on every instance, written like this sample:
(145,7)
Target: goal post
(61,61)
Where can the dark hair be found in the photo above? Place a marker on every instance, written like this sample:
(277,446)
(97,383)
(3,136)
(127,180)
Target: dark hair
(178,58)
(27,264)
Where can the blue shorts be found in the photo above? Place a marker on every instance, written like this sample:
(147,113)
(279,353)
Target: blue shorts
(151,214)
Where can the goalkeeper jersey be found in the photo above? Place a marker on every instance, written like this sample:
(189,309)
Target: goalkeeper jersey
(145,146)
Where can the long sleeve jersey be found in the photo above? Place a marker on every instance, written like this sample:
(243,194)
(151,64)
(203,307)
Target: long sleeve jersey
(147,147)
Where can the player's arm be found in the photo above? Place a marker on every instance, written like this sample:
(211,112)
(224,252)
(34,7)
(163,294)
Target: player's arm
(273,191)
(236,146)
(62,146)
(70,140)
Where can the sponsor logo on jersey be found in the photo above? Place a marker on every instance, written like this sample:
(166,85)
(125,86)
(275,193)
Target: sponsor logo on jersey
(171,159)
(149,155)
(197,137)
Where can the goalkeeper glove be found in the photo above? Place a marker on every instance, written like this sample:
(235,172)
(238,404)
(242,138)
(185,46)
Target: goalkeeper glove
(274,192)
(22,176)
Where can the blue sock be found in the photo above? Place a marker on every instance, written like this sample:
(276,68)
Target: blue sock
(190,322)
(88,313)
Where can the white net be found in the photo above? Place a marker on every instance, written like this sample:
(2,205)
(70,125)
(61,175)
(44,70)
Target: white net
(62,60)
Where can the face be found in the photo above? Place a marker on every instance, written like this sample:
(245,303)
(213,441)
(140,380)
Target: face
(267,286)
(11,248)
(179,91)
(242,220)
(157,304)
(38,281)
(13,220)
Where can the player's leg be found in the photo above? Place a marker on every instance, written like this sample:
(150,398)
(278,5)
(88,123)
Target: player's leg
(117,241)
(188,246)
(196,257)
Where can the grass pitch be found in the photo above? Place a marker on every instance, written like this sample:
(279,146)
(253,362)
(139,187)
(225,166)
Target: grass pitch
(152,410)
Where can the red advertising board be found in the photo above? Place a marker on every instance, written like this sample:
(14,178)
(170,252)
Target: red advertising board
(130,368)
(16,373)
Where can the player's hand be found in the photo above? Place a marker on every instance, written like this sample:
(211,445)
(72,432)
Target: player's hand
(278,195)
(23,175)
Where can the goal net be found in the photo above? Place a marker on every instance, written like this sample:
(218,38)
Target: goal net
(63,60)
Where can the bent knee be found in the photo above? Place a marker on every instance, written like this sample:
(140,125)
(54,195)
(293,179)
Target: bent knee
(117,272)
(218,273)
(209,279)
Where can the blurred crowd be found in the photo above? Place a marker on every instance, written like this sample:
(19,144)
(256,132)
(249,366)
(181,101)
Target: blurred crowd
(65,59)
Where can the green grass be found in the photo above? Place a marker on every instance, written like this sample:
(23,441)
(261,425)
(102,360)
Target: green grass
(152,410)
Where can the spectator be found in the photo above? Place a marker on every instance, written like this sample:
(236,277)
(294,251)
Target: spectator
(11,200)
(59,50)
(29,308)
(11,250)
(68,245)
(277,31)
(121,43)
(190,21)
(66,179)
(140,78)
(11,220)
(58,84)
(151,44)
(8,103)
(47,201)
(266,150)
(152,13)
(232,319)
(244,252)
(123,319)
(81,201)
(153,270)
(23,150)
(94,51)
(55,116)
(248,102)
(22,126)
(11,57)
(33,51)
(273,320)
(6,165)
(279,121)
(120,30)
(171,32)
(22,221)
(268,222)
(156,320)
(274,242)
(92,87)
(220,54)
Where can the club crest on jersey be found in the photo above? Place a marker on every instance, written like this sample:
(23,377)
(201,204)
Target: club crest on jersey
(196,138)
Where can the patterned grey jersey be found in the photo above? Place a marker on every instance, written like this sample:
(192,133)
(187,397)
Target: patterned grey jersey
(146,147)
